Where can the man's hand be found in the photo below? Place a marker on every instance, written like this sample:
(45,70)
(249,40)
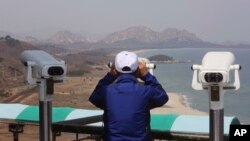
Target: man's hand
(142,69)
(113,71)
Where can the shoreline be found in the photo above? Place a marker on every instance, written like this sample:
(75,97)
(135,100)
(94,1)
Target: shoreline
(142,50)
(177,105)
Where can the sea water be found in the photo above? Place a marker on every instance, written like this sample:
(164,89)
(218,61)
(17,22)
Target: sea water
(177,78)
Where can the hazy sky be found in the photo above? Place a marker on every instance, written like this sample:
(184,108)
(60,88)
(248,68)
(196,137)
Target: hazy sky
(210,20)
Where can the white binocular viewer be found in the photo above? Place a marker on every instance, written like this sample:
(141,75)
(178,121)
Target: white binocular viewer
(40,64)
(215,70)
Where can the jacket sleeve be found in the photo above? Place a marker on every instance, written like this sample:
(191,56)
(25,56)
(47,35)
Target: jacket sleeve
(157,94)
(98,96)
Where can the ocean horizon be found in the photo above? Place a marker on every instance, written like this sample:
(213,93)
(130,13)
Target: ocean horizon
(177,78)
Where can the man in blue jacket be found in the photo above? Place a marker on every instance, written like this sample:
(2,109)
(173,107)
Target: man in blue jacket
(127,103)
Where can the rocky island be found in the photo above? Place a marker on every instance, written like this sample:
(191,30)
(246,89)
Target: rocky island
(165,59)
(161,58)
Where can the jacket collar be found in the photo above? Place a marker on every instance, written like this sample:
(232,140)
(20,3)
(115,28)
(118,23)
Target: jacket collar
(126,78)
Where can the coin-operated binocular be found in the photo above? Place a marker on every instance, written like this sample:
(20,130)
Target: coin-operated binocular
(150,66)
(41,65)
(214,75)
(215,70)
(44,70)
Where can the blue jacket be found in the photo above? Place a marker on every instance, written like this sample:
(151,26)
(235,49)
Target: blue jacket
(126,104)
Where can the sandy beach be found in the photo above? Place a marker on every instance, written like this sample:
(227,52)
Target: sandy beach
(175,105)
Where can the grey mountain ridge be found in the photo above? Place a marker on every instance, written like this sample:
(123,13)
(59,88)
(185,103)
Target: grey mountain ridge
(137,33)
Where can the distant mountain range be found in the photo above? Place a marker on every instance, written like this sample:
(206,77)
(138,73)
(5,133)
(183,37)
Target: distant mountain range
(147,35)
(60,37)
(138,33)
(137,36)
(67,37)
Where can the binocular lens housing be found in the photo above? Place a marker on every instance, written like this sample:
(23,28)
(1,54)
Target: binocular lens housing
(213,77)
(55,71)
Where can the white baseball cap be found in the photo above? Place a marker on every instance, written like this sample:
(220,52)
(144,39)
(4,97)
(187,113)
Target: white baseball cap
(126,62)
